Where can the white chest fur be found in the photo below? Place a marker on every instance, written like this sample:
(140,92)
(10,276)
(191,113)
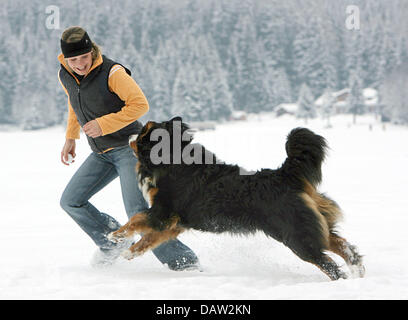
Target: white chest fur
(145,184)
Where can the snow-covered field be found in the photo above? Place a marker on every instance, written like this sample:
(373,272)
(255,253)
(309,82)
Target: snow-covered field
(44,254)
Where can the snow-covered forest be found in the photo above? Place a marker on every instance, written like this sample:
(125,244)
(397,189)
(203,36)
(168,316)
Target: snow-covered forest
(202,59)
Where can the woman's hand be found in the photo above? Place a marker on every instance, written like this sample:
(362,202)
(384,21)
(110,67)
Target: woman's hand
(92,129)
(69,148)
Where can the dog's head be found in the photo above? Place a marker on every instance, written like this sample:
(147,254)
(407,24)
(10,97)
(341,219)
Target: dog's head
(157,142)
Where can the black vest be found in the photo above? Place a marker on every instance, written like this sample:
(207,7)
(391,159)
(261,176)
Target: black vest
(92,99)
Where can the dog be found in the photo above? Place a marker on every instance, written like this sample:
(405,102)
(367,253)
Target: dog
(212,196)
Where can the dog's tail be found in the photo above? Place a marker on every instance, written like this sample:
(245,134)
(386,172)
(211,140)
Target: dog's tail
(306,152)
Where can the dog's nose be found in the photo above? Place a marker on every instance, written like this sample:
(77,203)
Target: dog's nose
(132,138)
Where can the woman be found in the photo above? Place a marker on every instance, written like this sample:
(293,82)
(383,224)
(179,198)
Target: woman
(106,102)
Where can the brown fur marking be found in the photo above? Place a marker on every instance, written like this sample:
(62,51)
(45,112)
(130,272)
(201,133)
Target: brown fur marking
(326,207)
(339,246)
(152,193)
(148,126)
(309,201)
(137,167)
(133,145)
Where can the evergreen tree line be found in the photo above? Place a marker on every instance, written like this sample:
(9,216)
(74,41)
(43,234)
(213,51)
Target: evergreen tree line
(202,59)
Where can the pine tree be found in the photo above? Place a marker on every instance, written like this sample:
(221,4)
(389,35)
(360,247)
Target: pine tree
(201,83)
(355,99)
(7,87)
(246,70)
(394,93)
(187,99)
(327,107)
(277,87)
(160,99)
(314,61)
(306,109)
(222,21)
(270,22)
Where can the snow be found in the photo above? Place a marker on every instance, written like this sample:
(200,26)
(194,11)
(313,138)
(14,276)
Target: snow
(370,93)
(44,254)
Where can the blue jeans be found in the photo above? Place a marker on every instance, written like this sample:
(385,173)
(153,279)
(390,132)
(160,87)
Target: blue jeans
(95,173)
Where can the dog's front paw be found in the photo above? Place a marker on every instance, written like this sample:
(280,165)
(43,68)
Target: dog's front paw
(113,236)
(128,254)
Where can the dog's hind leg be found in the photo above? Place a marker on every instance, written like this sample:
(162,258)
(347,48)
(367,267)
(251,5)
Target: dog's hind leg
(332,214)
(136,224)
(310,245)
(348,252)
(313,238)
(329,267)
(321,260)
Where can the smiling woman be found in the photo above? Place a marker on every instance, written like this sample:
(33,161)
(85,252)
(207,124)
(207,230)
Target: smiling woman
(80,64)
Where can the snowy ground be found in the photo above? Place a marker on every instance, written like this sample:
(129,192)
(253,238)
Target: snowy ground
(44,255)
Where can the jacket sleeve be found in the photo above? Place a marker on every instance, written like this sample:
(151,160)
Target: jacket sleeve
(127,89)
(73,126)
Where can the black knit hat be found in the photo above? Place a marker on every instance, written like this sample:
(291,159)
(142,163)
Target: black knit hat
(72,49)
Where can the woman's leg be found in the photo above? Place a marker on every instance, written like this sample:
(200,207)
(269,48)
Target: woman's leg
(93,175)
(173,253)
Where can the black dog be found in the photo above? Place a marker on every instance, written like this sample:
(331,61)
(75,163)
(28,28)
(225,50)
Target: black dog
(215,197)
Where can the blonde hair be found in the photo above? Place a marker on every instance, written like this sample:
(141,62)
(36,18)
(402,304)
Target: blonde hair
(74,34)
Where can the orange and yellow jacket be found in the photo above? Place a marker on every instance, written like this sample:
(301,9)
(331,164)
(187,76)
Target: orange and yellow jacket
(123,85)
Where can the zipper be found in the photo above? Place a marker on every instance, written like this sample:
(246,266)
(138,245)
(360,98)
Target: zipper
(79,100)
(83,114)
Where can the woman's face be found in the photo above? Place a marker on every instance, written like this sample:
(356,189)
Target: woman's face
(81,64)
